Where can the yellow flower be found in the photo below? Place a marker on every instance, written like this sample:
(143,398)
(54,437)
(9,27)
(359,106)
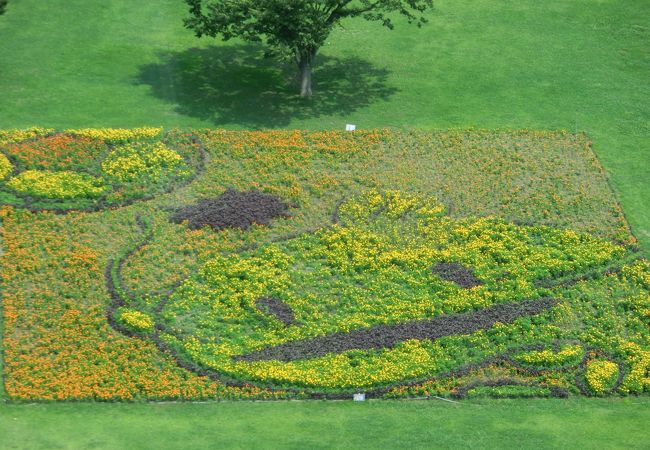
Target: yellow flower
(117,134)
(601,375)
(5,166)
(43,183)
(132,161)
(11,136)
(549,357)
(136,320)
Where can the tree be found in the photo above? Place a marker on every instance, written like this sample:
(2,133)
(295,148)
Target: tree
(3,6)
(293,28)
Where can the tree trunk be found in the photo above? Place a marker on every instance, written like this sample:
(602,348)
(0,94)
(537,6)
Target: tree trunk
(305,76)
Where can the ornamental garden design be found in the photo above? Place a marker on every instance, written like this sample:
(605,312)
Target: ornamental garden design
(152,264)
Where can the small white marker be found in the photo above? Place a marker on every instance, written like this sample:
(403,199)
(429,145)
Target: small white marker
(350,127)
(359,397)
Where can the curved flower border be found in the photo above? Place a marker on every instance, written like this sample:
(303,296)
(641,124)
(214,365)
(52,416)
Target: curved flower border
(101,202)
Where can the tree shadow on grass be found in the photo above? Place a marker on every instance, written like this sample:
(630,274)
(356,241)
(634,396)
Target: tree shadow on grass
(237,85)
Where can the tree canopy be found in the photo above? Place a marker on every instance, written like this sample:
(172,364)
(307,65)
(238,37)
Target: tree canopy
(3,6)
(294,28)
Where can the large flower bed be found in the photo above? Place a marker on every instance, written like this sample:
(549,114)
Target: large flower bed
(400,264)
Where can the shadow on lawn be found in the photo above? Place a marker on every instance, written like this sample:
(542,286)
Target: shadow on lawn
(237,85)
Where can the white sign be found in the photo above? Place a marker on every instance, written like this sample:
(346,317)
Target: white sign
(350,127)
(359,397)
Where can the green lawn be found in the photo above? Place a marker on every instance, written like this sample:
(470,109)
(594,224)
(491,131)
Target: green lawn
(578,423)
(580,65)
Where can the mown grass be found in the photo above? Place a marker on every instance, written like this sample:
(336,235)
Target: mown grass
(503,424)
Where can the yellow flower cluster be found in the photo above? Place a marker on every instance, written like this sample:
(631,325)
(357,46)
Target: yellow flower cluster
(601,375)
(5,167)
(117,134)
(11,136)
(390,203)
(133,161)
(60,185)
(638,273)
(243,280)
(550,358)
(136,320)
(637,380)
(411,359)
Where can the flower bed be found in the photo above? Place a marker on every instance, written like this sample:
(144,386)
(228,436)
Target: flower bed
(56,152)
(361,290)
(412,264)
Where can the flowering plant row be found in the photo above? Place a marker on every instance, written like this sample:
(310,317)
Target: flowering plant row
(454,263)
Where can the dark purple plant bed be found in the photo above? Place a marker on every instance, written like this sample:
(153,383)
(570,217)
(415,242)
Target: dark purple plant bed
(232,209)
(456,273)
(276,308)
(388,336)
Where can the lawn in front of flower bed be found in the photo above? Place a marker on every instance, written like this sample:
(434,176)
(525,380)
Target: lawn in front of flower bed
(498,424)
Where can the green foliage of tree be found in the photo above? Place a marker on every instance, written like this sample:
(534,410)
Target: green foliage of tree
(3,6)
(294,28)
